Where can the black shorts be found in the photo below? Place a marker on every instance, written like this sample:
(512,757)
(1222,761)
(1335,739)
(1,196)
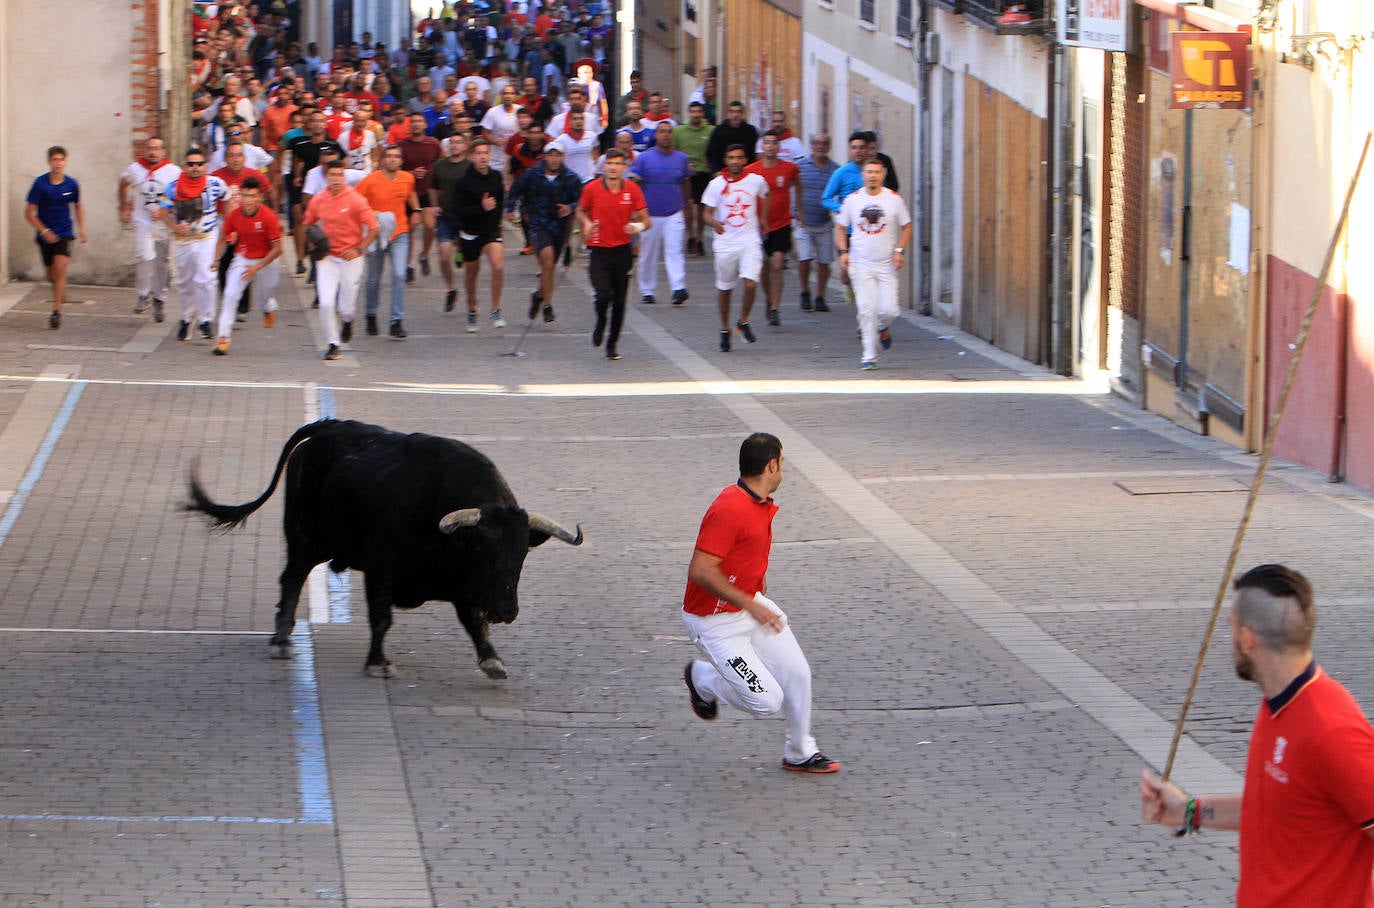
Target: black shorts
(779,240)
(699,183)
(543,239)
(472,249)
(50,251)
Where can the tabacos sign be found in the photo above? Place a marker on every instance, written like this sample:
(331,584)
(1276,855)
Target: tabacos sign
(1209,70)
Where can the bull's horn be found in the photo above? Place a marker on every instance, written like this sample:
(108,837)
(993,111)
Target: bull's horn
(545,525)
(463,517)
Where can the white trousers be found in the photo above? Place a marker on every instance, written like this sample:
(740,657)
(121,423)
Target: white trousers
(153,273)
(666,232)
(875,302)
(196,284)
(337,282)
(755,671)
(264,291)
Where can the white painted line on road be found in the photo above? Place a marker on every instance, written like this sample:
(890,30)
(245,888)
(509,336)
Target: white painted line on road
(131,630)
(1049,477)
(1138,727)
(30,437)
(286,821)
(148,338)
(836,387)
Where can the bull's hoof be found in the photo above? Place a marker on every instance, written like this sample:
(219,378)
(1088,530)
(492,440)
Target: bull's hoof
(494,668)
(380,671)
(279,651)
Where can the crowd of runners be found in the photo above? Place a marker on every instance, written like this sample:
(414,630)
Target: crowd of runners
(398,165)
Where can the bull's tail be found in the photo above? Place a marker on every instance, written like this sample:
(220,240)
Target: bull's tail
(225,516)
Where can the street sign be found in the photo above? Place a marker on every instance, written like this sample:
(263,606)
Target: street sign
(1094,23)
(1209,70)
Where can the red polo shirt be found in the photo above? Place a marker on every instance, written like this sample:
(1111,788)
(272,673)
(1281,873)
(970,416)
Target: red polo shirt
(255,234)
(610,211)
(737,529)
(1308,800)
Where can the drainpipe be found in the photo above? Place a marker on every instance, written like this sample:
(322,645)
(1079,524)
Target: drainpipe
(1185,254)
(923,185)
(1061,248)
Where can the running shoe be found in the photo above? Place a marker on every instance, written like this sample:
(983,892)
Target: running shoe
(205,331)
(472,322)
(868,365)
(222,348)
(535,302)
(450,300)
(817,762)
(821,305)
(372,329)
(725,342)
(55,320)
(424,266)
(346,332)
(183,329)
(806,300)
(746,331)
(681,296)
(496,320)
(398,330)
(885,338)
(703,708)
(332,353)
(548,314)
(648,299)
(142,305)
(773,318)
(157,310)
(269,319)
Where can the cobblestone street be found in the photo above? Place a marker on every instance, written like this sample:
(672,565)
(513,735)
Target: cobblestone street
(1000,578)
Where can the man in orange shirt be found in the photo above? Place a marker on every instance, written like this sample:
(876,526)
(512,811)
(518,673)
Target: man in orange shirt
(276,119)
(350,225)
(390,190)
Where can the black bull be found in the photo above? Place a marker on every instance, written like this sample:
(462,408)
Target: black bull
(424,518)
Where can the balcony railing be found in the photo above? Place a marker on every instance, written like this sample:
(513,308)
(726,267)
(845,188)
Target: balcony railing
(1005,17)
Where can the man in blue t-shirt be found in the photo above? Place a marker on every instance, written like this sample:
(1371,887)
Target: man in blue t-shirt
(49,210)
(665,175)
(640,130)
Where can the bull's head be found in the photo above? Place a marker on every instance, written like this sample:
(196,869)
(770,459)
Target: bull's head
(502,536)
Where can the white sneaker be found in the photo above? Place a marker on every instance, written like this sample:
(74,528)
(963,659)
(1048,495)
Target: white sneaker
(496,320)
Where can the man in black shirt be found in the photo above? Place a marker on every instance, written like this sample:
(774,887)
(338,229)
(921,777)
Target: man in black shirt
(734,131)
(480,196)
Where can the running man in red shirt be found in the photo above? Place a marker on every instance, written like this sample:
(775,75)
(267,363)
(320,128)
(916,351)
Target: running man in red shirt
(254,231)
(783,183)
(754,662)
(611,210)
(1306,814)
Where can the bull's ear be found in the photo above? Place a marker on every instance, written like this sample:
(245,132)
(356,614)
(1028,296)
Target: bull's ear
(538,537)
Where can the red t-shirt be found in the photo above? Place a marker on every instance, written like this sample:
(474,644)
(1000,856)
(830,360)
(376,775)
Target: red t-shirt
(235,180)
(737,529)
(780,180)
(1308,800)
(256,234)
(610,211)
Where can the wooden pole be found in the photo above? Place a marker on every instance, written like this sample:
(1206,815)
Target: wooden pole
(1265,454)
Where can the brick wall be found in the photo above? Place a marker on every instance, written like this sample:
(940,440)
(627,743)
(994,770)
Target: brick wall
(145,100)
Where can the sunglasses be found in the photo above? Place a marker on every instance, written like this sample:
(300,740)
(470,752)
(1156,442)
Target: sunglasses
(195,163)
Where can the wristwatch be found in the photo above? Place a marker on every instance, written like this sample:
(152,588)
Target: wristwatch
(901,250)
